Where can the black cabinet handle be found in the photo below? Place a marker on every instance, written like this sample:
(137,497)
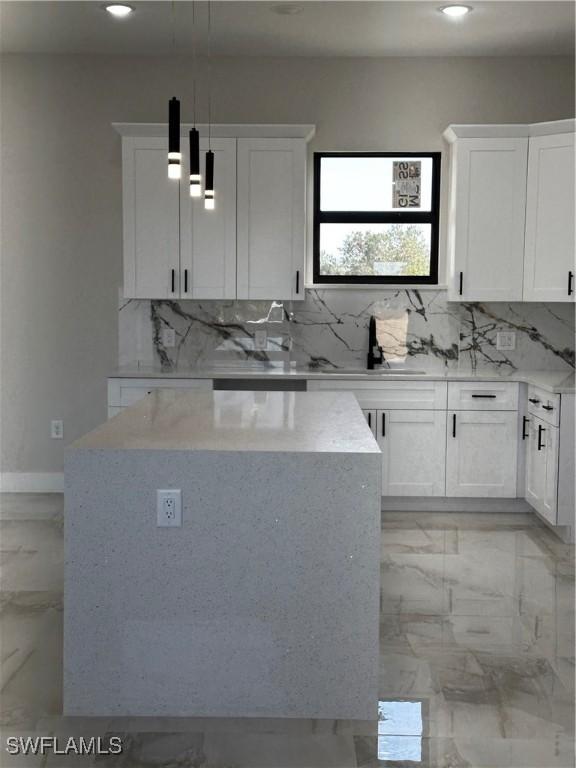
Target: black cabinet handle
(297,281)
(453,425)
(540,443)
(533,400)
(548,407)
(461,283)
(185,281)
(369,419)
(570,279)
(485,397)
(173,280)
(525,420)
(383,424)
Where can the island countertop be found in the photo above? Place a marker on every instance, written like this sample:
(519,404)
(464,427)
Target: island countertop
(237,421)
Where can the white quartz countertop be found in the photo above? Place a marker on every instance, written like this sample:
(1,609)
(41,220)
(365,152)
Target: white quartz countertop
(171,419)
(559,382)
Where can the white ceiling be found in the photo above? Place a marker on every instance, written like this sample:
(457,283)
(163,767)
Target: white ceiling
(325,28)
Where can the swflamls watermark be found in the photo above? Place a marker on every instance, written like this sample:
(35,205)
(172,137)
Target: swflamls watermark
(81,745)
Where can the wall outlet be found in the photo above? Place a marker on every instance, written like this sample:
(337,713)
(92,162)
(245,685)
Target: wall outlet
(57,429)
(506,340)
(260,339)
(168,508)
(168,337)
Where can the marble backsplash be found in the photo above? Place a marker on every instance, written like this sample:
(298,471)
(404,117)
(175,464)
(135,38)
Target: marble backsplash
(329,329)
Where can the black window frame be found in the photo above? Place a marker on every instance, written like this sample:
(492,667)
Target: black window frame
(406,216)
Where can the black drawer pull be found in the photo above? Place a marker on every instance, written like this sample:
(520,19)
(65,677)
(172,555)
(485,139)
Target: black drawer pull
(540,443)
(370,420)
(297,281)
(485,397)
(461,283)
(525,420)
(383,424)
(570,279)
(453,425)
(548,407)
(185,281)
(533,400)
(173,283)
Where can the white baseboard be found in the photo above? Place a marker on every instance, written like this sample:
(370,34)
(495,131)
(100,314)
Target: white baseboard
(32,482)
(445,504)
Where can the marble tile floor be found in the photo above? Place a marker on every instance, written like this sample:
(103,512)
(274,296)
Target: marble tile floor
(476,666)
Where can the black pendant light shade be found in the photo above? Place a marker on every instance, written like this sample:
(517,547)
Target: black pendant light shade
(209,189)
(195,176)
(174,155)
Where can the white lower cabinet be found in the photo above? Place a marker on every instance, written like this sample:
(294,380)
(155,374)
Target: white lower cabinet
(542,468)
(413,457)
(370,416)
(481,453)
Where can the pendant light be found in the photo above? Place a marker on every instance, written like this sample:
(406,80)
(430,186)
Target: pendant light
(209,191)
(209,202)
(174,154)
(195,175)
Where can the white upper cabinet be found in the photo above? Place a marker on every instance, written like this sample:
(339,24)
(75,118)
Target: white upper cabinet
(208,237)
(549,266)
(511,215)
(251,246)
(486,236)
(271,218)
(151,221)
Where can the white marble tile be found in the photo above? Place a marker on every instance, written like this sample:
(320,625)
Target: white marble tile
(494,674)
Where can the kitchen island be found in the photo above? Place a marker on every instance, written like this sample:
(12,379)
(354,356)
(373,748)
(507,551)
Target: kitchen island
(265,601)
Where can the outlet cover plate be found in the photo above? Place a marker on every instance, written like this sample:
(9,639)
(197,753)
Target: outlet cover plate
(168,508)
(260,339)
(506,340)
(168,337)
(57,429)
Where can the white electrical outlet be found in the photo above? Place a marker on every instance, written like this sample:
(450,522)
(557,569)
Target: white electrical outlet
(260,339)
(57,429)
(506,340)
(169,508)
(168,337)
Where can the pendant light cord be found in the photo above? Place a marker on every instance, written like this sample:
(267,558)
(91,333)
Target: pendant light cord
(209,74)
(194,72)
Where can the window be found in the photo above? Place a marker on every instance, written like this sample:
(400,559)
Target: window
(376,217)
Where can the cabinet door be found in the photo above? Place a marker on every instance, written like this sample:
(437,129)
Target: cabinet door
(535,467)
(370,417)
(151,221)
(208,238)
(549,266)
(413,445)
(486,231)
(481,456)
(550,448)
(271,218)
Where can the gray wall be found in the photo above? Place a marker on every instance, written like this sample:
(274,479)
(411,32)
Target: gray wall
(61,188)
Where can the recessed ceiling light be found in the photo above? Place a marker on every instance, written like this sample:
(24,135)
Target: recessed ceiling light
(120,10)
(455,11)
(288,9)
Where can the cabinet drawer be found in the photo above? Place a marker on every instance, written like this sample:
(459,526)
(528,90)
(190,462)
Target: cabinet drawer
(123,392)
(544,405)
(389,395)
(482,396)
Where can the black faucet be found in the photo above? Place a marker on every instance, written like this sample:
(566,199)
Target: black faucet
(375,354)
